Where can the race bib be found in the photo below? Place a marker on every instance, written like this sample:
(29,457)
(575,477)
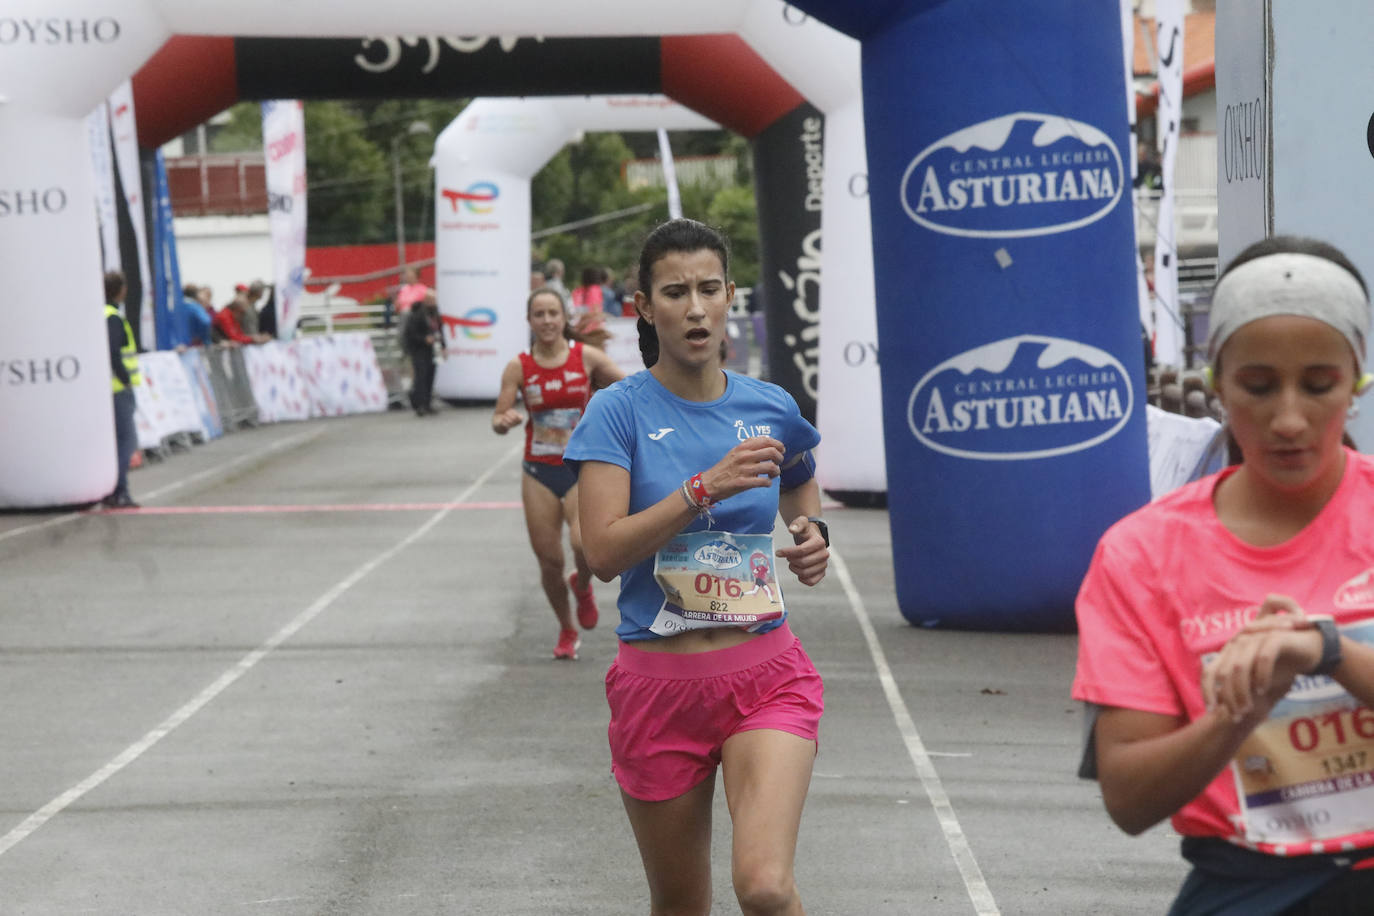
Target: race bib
(552,429)
(716,579)
(1307,772)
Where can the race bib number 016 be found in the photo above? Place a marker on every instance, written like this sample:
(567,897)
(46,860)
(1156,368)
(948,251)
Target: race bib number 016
(1307,772)
(716,579)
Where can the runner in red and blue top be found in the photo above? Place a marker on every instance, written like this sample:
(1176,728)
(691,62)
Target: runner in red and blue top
(554,380)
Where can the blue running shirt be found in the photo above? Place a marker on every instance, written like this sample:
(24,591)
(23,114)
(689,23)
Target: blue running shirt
(662,440)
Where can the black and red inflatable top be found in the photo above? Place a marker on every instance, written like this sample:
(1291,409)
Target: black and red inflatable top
(192,78)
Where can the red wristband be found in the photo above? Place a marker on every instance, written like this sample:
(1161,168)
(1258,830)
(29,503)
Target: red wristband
(697,487)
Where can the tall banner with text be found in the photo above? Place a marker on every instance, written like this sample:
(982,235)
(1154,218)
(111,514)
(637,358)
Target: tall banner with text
(790,193)
(102,169)
(166,266)
(283,139)
(138,306)
(1168,324)
(1012,377)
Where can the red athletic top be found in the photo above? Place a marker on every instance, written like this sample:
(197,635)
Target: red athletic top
(555,399)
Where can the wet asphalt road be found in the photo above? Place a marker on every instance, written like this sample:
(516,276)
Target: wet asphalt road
(312,676)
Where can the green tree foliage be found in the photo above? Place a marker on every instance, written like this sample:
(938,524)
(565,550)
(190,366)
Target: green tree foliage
(352,150)
(348,197)
(733,211)
(585,180)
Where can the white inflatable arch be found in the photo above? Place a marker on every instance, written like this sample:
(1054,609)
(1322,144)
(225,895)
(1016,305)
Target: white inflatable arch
(57,445)
(483,164)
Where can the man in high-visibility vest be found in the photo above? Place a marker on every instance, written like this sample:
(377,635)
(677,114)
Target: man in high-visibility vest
(124,375)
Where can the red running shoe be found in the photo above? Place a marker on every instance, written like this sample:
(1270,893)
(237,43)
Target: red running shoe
(568,643)
(587,614)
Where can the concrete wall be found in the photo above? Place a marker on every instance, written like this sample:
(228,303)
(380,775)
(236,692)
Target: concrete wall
(220,251)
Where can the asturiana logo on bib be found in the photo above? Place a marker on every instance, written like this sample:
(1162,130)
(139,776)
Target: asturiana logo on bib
(1019,398)
(1018,175)
(718,555)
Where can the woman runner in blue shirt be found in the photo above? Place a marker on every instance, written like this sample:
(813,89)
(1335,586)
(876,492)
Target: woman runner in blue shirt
(683,470)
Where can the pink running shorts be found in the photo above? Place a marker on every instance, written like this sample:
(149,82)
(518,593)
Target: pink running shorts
(670,714)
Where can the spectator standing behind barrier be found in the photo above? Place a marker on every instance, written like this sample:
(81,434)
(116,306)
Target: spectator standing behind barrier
(267,315)
(615,292)
(192,321)
(553,277)
(124,377)
(409,292)
(421,335)
(588,302)
(248,317)
(228,322)
(629,286)
(206,297)
(1226,631)
(682,472)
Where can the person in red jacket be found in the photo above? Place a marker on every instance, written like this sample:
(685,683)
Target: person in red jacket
(228,323)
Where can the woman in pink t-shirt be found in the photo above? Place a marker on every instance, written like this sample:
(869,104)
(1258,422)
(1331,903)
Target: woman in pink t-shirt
(1227,629)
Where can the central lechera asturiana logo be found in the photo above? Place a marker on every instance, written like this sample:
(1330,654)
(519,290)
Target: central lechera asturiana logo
(1019,175)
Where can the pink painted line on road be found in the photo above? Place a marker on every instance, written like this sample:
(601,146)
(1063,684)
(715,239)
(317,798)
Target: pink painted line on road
(326,507)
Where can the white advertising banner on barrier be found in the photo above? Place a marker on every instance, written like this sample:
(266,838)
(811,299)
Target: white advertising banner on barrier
(124,126)
(102,167)
(283,138)
(275,377)
(341,374)
(1168,323)
(168,394)
(202,390)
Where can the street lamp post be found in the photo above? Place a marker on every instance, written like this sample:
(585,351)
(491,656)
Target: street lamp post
(416,127)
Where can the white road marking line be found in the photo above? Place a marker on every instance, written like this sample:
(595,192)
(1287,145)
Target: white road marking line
(39,526)
(46,813)
(177,485)
(977,887)
(221,468)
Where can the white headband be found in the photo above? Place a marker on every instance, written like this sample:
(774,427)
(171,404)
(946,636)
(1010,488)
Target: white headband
(1289,284)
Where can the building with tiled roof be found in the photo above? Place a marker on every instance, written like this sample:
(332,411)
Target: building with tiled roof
(1196,165)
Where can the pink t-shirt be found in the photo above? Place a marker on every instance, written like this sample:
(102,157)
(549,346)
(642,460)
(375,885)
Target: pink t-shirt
(410,294)
(1169,585)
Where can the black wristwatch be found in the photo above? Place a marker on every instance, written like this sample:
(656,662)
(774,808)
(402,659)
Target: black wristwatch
(1331,645)
(820,523)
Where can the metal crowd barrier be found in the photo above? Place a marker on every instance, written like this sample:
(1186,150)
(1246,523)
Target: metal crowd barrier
(229,380)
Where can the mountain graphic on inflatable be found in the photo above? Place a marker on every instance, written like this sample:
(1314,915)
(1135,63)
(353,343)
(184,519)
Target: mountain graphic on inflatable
(1027,137)
(1029,359)
(1022,397)
(1021,174)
